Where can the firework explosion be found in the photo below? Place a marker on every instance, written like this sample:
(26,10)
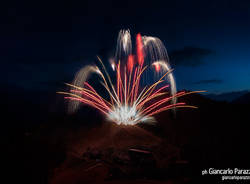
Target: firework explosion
(130,103)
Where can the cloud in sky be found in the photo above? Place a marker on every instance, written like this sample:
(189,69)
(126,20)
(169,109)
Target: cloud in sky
(209,81)
(189,56)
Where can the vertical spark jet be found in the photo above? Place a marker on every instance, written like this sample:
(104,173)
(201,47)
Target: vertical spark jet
(123,46)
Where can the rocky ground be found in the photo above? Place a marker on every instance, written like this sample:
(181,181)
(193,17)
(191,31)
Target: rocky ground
(124,154)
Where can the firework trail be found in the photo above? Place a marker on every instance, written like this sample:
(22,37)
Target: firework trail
(79,80)
(159,59)
(124,45)
(129,103)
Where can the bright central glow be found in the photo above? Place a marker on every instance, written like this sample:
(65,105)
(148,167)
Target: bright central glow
(127,115)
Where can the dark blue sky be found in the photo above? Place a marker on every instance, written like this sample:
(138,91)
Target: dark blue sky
(44,43)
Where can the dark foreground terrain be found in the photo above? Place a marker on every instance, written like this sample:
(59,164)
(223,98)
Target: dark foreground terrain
(48,146)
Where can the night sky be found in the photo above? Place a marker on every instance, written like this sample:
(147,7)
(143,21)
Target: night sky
(44,43)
